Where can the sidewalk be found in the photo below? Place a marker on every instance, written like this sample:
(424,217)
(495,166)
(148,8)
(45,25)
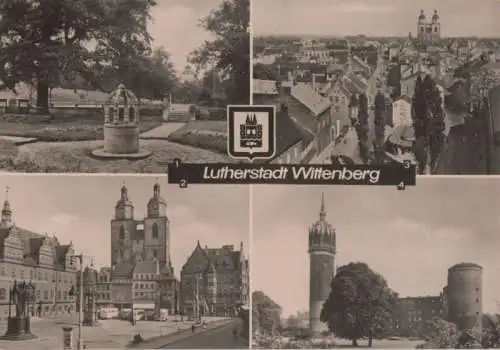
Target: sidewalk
(159,342)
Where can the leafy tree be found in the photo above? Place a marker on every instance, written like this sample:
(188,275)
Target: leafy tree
(420,125)
(362,128)
(45,42)
(394,81)
(230,50)
(266,313)
(441,335)
(360,304)
(434,120)
(490,337)
(379,122)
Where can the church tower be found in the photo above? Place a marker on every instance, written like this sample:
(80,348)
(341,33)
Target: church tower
(322,267)
(436,28)
(122,229)
(7,212)
(421,26)
(156,229)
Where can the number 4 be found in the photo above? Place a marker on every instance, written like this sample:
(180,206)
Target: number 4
(401,186)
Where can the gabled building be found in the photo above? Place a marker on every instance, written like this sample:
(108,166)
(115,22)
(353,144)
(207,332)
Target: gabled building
(214,281)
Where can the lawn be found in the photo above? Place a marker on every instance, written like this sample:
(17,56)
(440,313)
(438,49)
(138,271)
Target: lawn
(204,134)
(63,128)
(72,157)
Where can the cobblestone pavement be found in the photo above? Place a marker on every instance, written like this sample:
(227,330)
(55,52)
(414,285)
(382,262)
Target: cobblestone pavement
(115,334)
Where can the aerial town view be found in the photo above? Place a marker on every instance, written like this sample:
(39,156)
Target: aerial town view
(416,270)
(122,270)
(381,82)
(119,86)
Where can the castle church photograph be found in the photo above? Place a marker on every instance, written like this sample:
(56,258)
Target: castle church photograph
(118,261)
(376,267)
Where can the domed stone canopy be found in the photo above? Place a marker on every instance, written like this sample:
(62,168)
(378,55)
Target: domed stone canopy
(122,96)
(122,107)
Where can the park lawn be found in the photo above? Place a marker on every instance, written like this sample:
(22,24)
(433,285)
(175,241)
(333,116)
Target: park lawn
(74,157)
(57,130)
(205,134)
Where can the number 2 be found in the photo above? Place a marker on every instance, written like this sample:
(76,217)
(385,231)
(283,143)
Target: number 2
(183,183)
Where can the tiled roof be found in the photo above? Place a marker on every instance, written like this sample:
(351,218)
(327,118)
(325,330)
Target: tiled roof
(316,103)
(287,133)
(31,243)
(146,267)
(264,87)
(122,270)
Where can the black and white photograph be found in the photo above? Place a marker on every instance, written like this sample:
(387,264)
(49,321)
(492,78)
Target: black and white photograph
(345,267)
(114,262)
(121,86)
(381,82)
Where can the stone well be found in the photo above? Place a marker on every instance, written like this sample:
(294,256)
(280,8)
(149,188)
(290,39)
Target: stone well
(121,126)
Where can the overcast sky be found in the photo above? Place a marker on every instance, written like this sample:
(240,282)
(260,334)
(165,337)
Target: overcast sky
(80,208)
(175,26)
(410,237)
(373,17)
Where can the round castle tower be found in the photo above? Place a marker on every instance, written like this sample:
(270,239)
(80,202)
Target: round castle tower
(464,295)
(322,268)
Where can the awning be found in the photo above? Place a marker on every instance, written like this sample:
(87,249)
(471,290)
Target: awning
(143,306)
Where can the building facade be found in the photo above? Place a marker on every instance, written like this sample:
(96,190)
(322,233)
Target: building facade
(428,31)
(322,245)
(214,281)
(142,275)
(39,259)
(414,314)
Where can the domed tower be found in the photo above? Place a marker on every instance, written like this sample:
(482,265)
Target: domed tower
(156,229)
(421,26)
(157,206)
(464,294)
(436,28)
(7,212)
(322,267)
(122,229)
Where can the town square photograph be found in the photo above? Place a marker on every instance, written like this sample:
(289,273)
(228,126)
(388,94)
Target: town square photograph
(90,262)
(120,86)
(381,81)
(357,266)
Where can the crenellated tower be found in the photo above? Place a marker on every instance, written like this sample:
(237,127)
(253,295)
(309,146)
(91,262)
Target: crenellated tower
(322,267)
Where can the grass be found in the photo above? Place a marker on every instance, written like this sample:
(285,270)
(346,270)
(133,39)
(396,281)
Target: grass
(59,129)
(72,157)
(204,134)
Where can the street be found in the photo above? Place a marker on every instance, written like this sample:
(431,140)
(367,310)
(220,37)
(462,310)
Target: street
(217,338)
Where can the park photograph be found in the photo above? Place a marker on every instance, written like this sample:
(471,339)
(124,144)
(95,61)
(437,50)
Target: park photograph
(415,268)
(119,86)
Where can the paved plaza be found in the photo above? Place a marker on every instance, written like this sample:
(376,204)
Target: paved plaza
(109,334)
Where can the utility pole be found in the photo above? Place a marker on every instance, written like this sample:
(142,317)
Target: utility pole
(197,298)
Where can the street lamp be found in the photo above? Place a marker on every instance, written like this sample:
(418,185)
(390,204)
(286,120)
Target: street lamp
(80,259)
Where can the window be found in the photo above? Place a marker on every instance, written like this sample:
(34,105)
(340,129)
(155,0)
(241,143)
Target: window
(122,233)
(155,254)
(3,294)
(155,231)
(121,114)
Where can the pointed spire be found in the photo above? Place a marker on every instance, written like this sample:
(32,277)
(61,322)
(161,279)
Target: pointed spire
(156,189)
(322,211)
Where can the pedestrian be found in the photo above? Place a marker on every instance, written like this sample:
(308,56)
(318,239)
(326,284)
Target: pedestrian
(235,332)
(193,327)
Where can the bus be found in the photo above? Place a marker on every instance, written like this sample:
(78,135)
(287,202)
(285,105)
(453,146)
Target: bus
(109,313)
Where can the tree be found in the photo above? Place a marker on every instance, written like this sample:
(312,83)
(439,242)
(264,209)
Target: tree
(419,116)
(360,304)
(490,337)
(441,335)
(45,42)
(265,72)
(379,122)
(266,313)
(394,81)
(434,120)
(362,128)
(230,50)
